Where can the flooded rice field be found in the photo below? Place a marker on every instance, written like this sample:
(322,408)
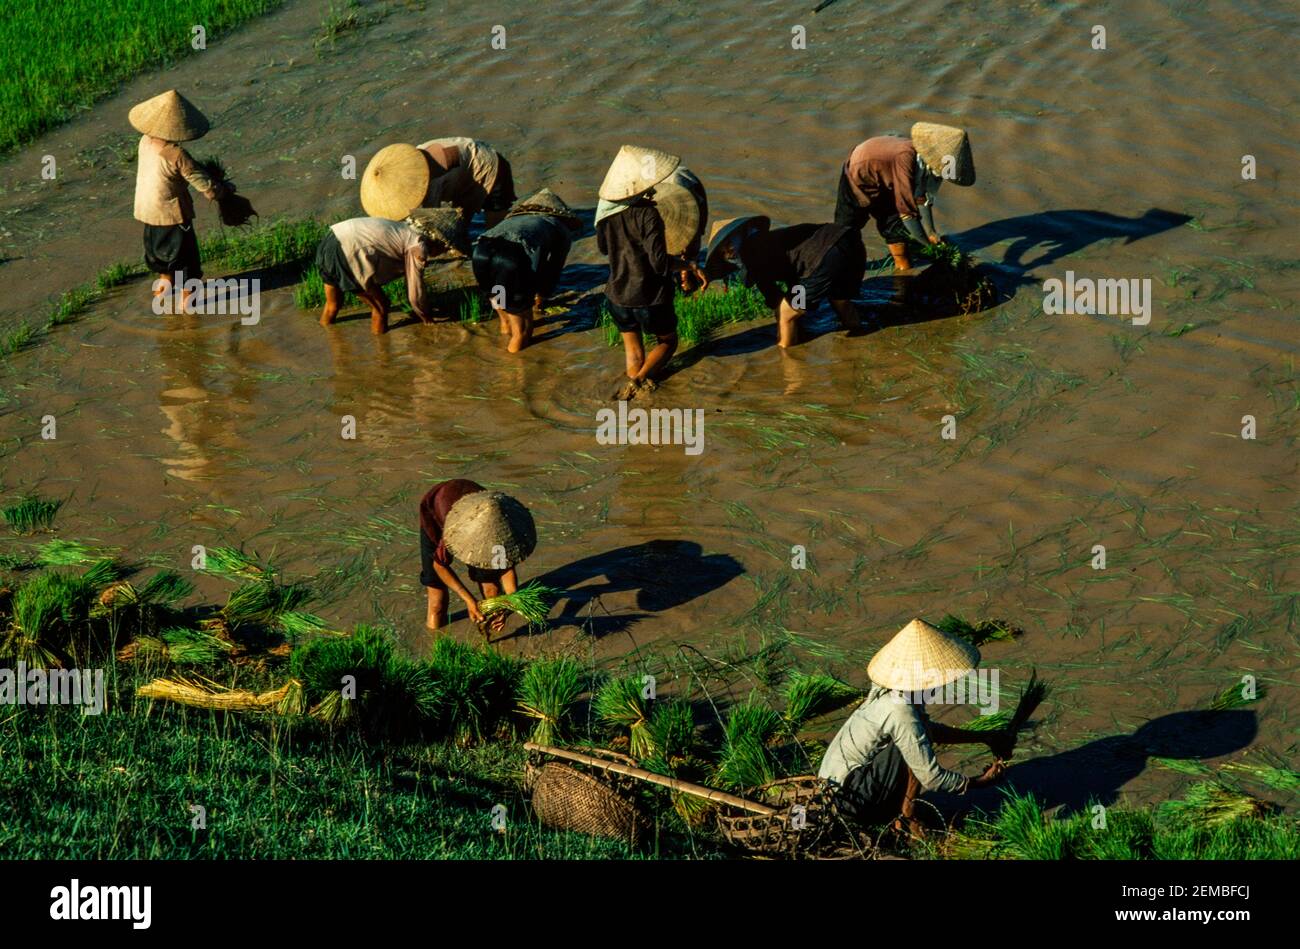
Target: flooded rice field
(1071,431)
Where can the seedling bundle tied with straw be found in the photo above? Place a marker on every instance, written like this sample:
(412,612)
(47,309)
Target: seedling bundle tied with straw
(532,601)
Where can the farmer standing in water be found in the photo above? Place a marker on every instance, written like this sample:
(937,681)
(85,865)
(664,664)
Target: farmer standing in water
(894,180)
(487,530)
(883,756)
(164,175)
(640,289)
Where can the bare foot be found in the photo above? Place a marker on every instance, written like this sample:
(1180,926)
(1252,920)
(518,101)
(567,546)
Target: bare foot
(627,391)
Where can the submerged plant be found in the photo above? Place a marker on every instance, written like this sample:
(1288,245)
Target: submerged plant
(547,693)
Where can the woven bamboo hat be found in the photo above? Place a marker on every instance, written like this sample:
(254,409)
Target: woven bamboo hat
(936,142)
(723,231)
(395,181)
(481,522)
(635,171)
(169,116)
(549,203)
(684,207)
(445,225)
(921,657)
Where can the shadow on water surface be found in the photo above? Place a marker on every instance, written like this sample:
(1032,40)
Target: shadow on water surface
(1095,772)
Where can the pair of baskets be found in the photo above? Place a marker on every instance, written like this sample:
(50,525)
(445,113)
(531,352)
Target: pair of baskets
(807,824)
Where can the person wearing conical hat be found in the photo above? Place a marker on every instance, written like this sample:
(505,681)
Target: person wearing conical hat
(641,286)
(893,180)
(517,263)
(362,254)
(883,756)
(165,172)
(814,262)
(488,531)
(463,172)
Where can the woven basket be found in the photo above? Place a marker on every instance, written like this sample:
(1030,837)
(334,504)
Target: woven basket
(818,831)
(568,796)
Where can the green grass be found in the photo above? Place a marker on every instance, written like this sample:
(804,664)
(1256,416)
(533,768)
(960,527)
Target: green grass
(58,58)
(700,315)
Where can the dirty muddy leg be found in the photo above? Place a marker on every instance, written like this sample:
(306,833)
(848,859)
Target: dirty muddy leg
(378,309)
(787,325)
(899,253)
(634,353)
(848,313)
(436,614)
(908,809)
(521,329)
(333,300)
(658,357)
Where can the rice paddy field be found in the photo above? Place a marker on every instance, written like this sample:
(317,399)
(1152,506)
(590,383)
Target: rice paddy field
(1070,432)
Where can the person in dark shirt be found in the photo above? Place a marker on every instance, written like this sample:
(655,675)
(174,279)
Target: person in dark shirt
(814,262)
(641,282)
(492,559)
(894,180)
(518,262)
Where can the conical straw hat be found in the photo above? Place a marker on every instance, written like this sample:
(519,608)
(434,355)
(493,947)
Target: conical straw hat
(481,522)
(169,116)
(722,232)
(547,202)
(446,225)
(921,657)
(635,171)
(684,207)
(395,181)
(935,142)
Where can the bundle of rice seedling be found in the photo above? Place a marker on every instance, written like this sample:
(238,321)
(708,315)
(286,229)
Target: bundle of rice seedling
(532,601)
(746,761)
(31,514)
(1030,698)
(547,693)
(1025,832)
(182,647)
(808,695)
(233,564)
(1236,696)
(977,634)
(675,754)
(45,612)
(106,571)
(1209,802)
(263,599)
(198,695)
(66,553)
(620,702)
(479,687)
(359,679)
(235,209)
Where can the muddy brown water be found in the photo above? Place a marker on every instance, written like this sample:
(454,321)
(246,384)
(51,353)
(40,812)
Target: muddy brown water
(1072,431)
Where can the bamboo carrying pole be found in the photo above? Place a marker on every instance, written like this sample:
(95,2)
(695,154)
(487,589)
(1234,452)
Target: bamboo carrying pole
(684,787)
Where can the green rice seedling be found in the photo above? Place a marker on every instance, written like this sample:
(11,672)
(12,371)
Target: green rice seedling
(66,553)
(470,308)
(808,695)
(296,624)
(672,731)
(1236,696)
(701,315)
(106,571)
(746,761)
(532,601)
(977,634)
(1027,833)
(182,647)
(1269,838)
(233,564)
(342,19)
(479,687)
(547,693)
(116,275)
(45,612)
(31,514)
(621,702)
(73,303)
(309,293)
(1182,765)
(1209,802)
(166,588)
(1030,698)
(18,338)
(1280,779)
(267,245)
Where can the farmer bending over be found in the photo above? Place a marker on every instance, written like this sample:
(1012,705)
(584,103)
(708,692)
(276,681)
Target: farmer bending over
(462,172)
(521,258)
(882,757)
(814,261)
(640,289)
(894,180)
(362,254)
(488,531)
(164,175)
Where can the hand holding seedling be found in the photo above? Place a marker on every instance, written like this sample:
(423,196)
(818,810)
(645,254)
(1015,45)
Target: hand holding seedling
(990,776)
(1002,744)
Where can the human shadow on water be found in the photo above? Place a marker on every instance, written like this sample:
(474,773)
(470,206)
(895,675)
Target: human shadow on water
(664,573)
(1095,772)
(1058,234)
